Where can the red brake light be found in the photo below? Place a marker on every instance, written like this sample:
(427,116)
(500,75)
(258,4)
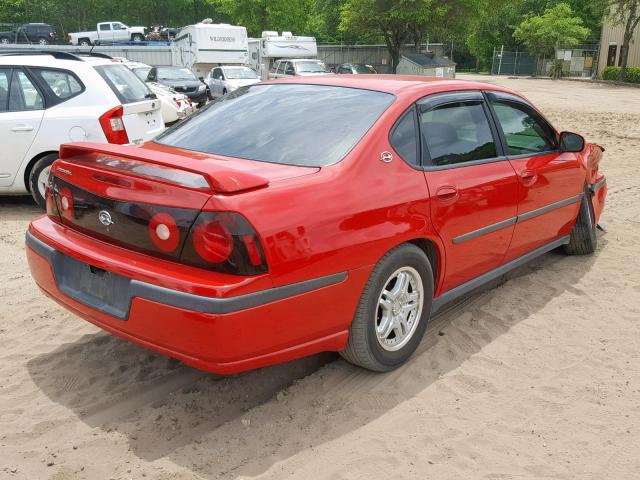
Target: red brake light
(224,242)
(212,241)
(113,126)
(69,38)
(65,203)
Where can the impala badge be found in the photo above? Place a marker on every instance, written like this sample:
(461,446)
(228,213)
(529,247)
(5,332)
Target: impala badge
(105,218)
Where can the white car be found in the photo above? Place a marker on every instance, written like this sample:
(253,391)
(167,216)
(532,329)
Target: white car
(227,78)
(57,97)
(174,105)
(298,67)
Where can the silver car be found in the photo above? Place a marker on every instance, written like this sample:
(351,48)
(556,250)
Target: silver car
(298,67)
(225,79)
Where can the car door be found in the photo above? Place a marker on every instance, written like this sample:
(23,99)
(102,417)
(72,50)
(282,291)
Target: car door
(120,32)
(105,34)
(550,183)
(21,111)
(473,187)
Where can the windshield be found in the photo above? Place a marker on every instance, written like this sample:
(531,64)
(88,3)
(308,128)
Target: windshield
(240,73)
(169,73)
(311,67)
(364,69)
(142,73)
(292,124)
(124,83)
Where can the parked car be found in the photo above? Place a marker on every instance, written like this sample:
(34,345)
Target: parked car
(355,68)
(299,67)
(227,78)
(174,106)
(36,33)
(107,32)
(182,80)
(230,221)
(49,98)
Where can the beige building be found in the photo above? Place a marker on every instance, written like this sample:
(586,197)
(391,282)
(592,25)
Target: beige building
(611,43)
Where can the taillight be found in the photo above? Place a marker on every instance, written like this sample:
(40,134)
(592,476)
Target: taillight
(68,38)
(48,198)
(65,203)
(164,232)
(113,126)
(224,242)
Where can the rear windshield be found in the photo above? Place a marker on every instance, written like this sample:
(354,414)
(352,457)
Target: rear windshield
(311,67)
(124,83)
(306,125)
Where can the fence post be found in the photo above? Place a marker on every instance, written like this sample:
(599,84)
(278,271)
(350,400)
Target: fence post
(515,63)
(493,60)
(500,62)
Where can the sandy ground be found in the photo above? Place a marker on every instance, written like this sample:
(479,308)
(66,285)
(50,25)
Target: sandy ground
(538,377)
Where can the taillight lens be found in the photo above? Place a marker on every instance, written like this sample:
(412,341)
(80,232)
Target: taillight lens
(65,203)
(164,232)
(48,198)
(224,242)
(113,126)
(69,38)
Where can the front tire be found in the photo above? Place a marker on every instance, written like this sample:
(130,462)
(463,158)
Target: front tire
(136,37)
(584,239)
(38,178)
(43,41)
(393,311)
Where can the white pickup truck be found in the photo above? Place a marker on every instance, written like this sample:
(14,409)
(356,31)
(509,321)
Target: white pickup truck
(107,32)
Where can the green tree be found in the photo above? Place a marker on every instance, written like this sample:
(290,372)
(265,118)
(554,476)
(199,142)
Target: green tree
(556,27)
(627,13)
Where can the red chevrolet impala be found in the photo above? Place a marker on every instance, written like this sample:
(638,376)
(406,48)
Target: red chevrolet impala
(326,213)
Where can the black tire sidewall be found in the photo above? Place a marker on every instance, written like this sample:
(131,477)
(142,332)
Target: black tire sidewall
(403,257)
(40,165)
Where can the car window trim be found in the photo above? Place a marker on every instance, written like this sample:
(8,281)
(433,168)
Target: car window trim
(9,78)
(507,97)
(432,101)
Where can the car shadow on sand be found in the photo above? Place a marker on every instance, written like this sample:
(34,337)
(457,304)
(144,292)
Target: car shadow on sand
(222,427)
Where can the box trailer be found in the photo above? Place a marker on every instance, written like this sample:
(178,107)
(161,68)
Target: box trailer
(203,46)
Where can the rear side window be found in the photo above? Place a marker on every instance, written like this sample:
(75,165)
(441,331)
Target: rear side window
(523,130)
(404,138)
(63,85)
(456,133)
(124,83)
(306,125)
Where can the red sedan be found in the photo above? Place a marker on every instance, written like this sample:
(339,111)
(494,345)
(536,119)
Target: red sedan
(329,213)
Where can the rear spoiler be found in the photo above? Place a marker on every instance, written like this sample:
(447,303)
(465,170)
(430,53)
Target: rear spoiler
(220,178)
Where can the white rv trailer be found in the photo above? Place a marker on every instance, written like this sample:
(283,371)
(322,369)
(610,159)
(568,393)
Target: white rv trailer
(264,51)
(203,46)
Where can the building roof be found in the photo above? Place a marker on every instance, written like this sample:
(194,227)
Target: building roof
(427,60)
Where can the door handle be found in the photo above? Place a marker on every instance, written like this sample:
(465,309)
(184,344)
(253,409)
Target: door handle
(528,178)
(22,128)
(447,194)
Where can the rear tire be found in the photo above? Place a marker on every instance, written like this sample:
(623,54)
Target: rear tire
(84,42)
(584,239)
(4,41)
(38,177)
(43,41)
(371,345)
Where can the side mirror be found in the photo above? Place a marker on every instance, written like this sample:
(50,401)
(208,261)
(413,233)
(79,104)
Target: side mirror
(571,142)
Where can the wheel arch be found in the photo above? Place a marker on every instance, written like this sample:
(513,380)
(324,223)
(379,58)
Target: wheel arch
(434,254)
(32,162)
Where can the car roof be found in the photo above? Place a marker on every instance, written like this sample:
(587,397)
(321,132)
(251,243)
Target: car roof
(36,58)
(394,84)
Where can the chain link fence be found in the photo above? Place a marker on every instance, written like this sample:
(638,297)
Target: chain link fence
(576,62)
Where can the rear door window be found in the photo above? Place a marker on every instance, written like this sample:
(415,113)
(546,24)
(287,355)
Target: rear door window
(457,132)
(23,94)
(105,27)
(5,77)
(124,83)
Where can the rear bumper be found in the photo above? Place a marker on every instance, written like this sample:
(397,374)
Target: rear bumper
(198,97)
(219,334)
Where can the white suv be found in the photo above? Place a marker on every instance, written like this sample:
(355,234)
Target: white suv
(50,98)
